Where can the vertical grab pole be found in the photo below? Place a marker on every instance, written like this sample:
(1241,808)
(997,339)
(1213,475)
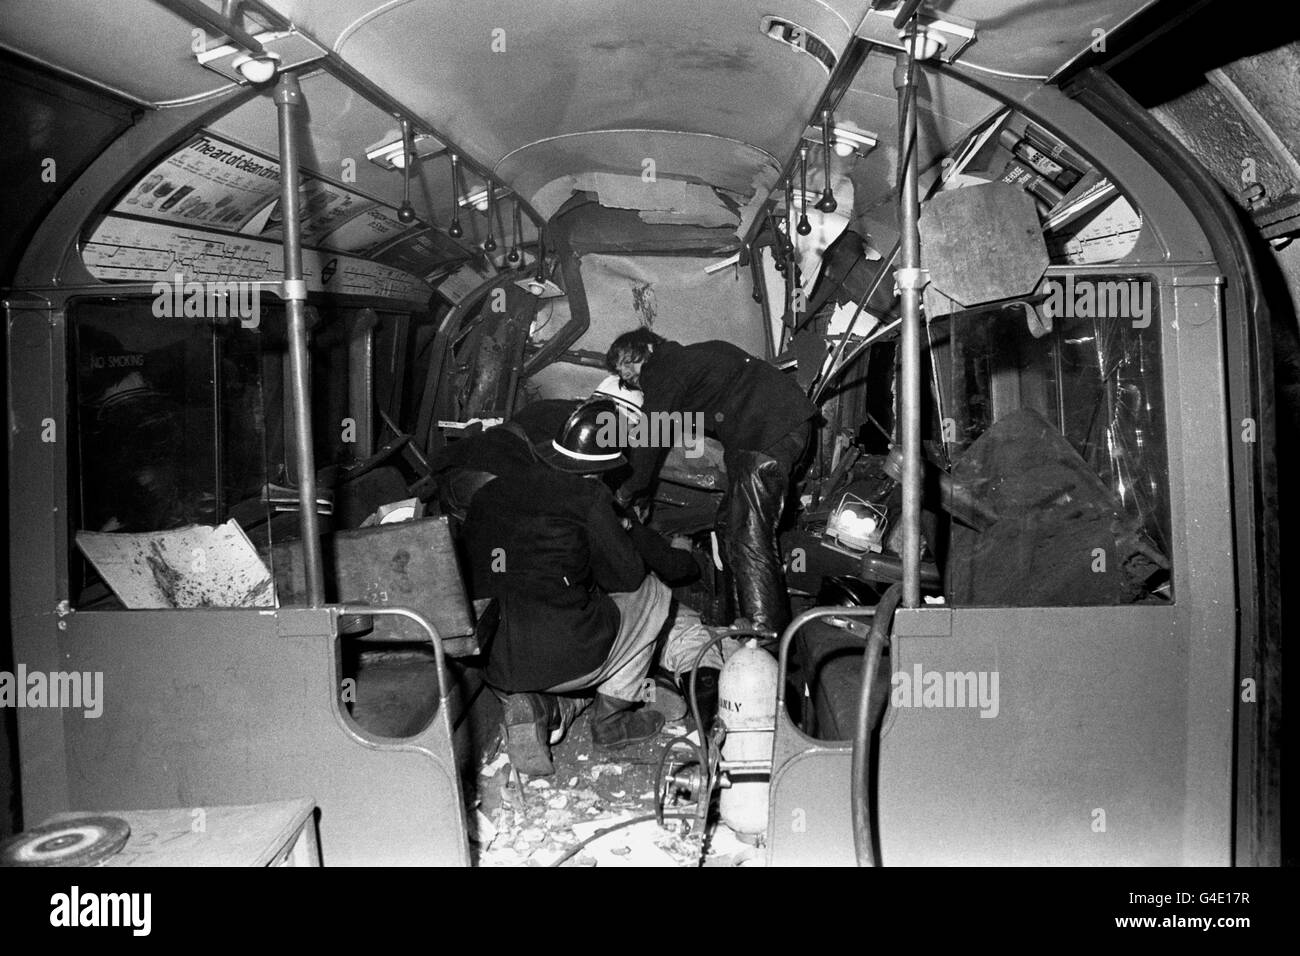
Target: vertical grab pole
(910,283)
(289,102)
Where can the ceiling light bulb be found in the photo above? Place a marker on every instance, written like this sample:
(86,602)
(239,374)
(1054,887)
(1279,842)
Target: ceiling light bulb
(849,140)
(482,205)
(925,44)
(398,159)
(257,69)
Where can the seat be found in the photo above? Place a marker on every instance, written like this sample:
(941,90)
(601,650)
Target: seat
(408,564)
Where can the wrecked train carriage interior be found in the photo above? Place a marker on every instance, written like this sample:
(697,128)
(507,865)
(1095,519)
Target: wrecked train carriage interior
(469,248)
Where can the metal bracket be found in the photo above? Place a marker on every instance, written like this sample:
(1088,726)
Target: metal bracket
(906,279)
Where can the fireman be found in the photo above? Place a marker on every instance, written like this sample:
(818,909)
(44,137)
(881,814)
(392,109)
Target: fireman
(579,611)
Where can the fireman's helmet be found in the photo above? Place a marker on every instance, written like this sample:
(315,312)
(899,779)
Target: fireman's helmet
(587,442)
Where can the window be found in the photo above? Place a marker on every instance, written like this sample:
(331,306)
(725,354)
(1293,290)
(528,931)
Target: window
(181,421)
(1052,420)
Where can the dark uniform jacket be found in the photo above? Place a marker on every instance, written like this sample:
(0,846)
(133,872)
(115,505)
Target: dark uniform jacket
(501,449)
(747,403)
(549,547)
(465,465)
(495,451)
(675,566)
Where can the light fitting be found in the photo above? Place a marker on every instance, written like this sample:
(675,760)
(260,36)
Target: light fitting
(389,154)
(286,50)
(257,68)
(480,199)
(801,39)
(849,141)
(946,37)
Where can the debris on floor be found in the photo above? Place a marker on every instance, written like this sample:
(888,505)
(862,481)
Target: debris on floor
(590,791)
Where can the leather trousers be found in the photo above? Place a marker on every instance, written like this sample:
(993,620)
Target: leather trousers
(758,484)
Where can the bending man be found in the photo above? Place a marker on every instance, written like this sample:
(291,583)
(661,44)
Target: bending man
(764,422)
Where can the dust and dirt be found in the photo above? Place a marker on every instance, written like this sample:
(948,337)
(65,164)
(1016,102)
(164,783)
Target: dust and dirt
(590,791)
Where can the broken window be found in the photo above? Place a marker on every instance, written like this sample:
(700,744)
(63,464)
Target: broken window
(1052,423)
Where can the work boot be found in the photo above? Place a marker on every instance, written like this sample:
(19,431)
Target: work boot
(617,723)
(706,694)
(528,719)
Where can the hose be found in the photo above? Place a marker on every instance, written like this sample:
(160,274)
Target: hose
(702,749)
(573,851)
(694,699)
(881,624)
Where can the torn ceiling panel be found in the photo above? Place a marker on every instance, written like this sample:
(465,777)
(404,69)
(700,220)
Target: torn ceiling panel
(669,176)
(661,200)
(591,227)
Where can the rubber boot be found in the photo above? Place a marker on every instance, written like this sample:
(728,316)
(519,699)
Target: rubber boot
(706,694)
(528,719)
(617,723)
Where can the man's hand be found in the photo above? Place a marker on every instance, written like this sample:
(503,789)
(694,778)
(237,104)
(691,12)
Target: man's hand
(623,502)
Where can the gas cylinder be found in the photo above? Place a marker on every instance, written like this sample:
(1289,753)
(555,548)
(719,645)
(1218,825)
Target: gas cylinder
(747,709)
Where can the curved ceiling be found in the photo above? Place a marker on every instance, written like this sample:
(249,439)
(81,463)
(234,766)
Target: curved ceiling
(1033,38)
(552,92)
(499,75)
(558,96)
(137,48)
